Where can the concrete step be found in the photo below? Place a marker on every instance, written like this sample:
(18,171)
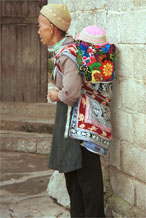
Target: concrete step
(26,124)
(25,141)
(30,110)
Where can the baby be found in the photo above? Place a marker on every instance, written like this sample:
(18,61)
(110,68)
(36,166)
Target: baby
(96,62)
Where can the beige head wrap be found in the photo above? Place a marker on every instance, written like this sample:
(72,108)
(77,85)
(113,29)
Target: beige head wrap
(57,14)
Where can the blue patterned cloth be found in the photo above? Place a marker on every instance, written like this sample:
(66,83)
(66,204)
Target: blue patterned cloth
(94,148)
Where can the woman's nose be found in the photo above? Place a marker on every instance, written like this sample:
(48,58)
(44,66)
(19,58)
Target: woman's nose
(39,31)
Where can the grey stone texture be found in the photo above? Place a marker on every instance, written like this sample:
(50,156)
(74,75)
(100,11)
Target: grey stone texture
(133,161)
(117,207)
(139,120)
(57,189)
(122,122)
(23,182)
(130,33)
(115,153)
(27,127)
(25,142)
(122,185)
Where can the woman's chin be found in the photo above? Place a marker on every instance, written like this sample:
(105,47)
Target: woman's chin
(42,41)
(46,43)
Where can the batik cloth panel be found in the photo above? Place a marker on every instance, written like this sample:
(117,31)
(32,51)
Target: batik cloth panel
(90,122)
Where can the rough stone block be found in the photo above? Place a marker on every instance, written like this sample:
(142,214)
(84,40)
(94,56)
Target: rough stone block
(124,61)
(139,61)
(141,195)
(133,95)
(122,185)
(122,123)
(26,142)
(15,141)
(122,208)
(132,27)
(131,61)
(89,18)
(86,18)
(140,130)
(139,3)
(100,19)
(134,161)
(119,5)
(31,111)
(44,145)
(72,30)
(112,31)
(93,4)
(116,97)
(106,181)
(115,153)
(8,144)
(26,145)
(116,215)
(74,5)
(57,189)
(117,206)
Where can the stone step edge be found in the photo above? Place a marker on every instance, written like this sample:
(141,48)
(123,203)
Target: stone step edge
(25,134)
(36,126)
(26,119)
(8,103)
(26,176)
(25,142)
(21,108)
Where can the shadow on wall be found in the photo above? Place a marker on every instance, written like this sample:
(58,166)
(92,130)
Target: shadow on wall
(115,113)
(116,97)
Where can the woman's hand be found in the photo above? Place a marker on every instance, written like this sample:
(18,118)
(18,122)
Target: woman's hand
(53,95)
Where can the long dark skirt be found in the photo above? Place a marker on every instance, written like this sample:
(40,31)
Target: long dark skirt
(65,153)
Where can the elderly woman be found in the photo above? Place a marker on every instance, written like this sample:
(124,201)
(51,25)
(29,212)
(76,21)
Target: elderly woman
(82,168)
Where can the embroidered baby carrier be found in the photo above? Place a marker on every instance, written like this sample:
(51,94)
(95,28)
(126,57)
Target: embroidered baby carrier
(91,117)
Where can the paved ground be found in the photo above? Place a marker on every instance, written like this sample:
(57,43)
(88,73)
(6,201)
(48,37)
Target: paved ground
(23,183)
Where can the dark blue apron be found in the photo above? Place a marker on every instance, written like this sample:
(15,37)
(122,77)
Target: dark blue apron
(65,152)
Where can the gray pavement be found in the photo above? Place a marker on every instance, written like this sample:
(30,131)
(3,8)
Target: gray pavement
(23,187)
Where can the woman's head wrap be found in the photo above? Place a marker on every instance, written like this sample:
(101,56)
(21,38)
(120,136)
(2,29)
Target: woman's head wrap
(57,14)
(93,34)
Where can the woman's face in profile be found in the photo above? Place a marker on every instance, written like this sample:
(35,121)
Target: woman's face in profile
(45,30)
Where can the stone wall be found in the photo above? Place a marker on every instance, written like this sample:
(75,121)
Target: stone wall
(125,167)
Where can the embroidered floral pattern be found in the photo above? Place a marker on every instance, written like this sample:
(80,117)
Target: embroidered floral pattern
(95,62)
(82,126)
(107,69)
(96,76)
(81,117)
(93,128)
(83,101)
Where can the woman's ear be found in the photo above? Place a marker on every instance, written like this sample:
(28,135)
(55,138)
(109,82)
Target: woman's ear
(52,28)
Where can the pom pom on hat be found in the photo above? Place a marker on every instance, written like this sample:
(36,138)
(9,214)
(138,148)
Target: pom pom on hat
(93,34)
(58,14)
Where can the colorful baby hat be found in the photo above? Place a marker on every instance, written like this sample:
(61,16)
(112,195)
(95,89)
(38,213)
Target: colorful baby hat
(93,34)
